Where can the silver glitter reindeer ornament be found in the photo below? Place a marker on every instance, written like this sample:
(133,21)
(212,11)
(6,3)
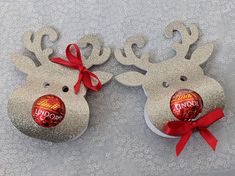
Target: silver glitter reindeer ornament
(162,80)
(54,84)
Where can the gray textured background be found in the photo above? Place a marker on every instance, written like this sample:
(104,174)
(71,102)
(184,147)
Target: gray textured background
(118,141)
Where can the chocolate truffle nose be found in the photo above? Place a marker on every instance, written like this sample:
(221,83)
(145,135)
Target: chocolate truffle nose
(48,111)
(186,104)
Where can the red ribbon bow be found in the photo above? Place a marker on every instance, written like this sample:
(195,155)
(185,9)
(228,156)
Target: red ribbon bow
(186,128)
(75,62)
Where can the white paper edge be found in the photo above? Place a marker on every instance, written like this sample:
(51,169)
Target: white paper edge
(152,127)
(78,136)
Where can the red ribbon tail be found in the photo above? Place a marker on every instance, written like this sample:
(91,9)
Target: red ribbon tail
(78,84)
(209,137)
(182,142)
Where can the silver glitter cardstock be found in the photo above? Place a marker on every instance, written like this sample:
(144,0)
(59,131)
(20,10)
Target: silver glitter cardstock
(21,101)
(163,79)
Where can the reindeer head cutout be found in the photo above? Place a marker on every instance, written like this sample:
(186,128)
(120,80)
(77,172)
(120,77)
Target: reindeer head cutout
(162,80)
(50,79)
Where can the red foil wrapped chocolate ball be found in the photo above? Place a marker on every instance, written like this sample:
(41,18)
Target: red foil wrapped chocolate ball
(186,104)
(48,111)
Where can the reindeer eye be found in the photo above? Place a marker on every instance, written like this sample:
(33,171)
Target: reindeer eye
(183,78)
(65,89)
(165,84)
(46,84)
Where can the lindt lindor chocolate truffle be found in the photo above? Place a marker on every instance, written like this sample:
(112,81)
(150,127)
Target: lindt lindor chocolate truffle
(186,104)
(48,111)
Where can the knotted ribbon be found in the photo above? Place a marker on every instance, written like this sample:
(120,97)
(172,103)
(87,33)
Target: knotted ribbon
(186,128)
(75,62)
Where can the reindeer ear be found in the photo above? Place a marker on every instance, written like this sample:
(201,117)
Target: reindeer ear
(202,54)
(104,77)
(23,63)
(130,78)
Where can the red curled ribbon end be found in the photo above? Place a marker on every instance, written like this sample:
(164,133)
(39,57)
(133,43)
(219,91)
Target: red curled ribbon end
(182,142)
(75,62)
(186,128)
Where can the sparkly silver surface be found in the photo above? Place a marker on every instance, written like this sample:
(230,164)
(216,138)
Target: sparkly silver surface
(22,99)
(157,107)
(118,141)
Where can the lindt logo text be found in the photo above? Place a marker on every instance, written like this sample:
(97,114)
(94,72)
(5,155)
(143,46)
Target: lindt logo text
(50,104)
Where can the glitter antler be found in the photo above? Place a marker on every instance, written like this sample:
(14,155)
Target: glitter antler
(97,56)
